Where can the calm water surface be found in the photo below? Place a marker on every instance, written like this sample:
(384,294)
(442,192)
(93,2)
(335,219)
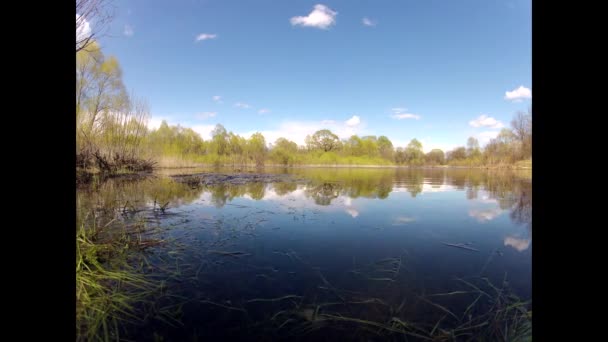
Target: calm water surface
(260,261)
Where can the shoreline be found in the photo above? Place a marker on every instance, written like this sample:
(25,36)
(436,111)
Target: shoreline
(86,176)
(372,166)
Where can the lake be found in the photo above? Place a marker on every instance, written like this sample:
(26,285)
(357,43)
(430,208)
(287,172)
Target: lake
(330,253)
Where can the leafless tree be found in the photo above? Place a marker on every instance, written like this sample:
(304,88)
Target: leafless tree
(98,12)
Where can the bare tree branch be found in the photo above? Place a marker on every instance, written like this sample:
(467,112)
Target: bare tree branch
(92,19)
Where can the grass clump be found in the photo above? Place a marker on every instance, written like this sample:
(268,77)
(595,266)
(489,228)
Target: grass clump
(109,287)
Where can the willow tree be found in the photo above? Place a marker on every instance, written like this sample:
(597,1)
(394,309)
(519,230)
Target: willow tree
(256,147)
(99,92)
(413,153)
(109,121)
(219,140)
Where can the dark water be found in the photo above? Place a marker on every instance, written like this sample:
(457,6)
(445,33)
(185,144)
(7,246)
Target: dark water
(265,261)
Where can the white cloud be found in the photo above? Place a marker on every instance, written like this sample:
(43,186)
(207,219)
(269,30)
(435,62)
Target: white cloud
(206,115)
(155,121)
(519,244)
(486,136)
(205,36)
(328,122)
(485,215)
(242,105)
(84,28)
(518,94)
(368,22)
(399,114)
(128,31)
(486,121)
(203,130)
(217,99)
(263,111)
(405,116)
(321,17)
(354,121)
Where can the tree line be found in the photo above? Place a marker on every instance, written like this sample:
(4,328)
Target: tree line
(112,130)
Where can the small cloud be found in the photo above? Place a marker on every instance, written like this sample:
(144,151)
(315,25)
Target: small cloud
(217,99)
(517,95)
(128,31)
(368,22)
(399,114)
(205,36)
(401,220)
(242,105)
(486,121)
(321,17)
(206,115)
(328,122)
(485,215)
(519,244)
(352,212)
(263,111)
(405,116)
(354,121)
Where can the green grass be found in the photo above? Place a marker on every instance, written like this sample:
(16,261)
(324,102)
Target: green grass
(108,286)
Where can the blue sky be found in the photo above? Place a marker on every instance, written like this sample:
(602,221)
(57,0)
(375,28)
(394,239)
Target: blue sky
(425,69)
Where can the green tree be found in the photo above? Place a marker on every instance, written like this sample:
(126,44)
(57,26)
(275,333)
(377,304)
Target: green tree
(100,92)
(219,140)
(369,145)
(385,147)
(284,151)
(257,148)
(459,153)
(354,146)
(413,153)
(435,157)
(473,147)
(324,140)
(400,157)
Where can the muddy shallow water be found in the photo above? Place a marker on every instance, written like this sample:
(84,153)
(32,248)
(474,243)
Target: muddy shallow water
(326,254)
